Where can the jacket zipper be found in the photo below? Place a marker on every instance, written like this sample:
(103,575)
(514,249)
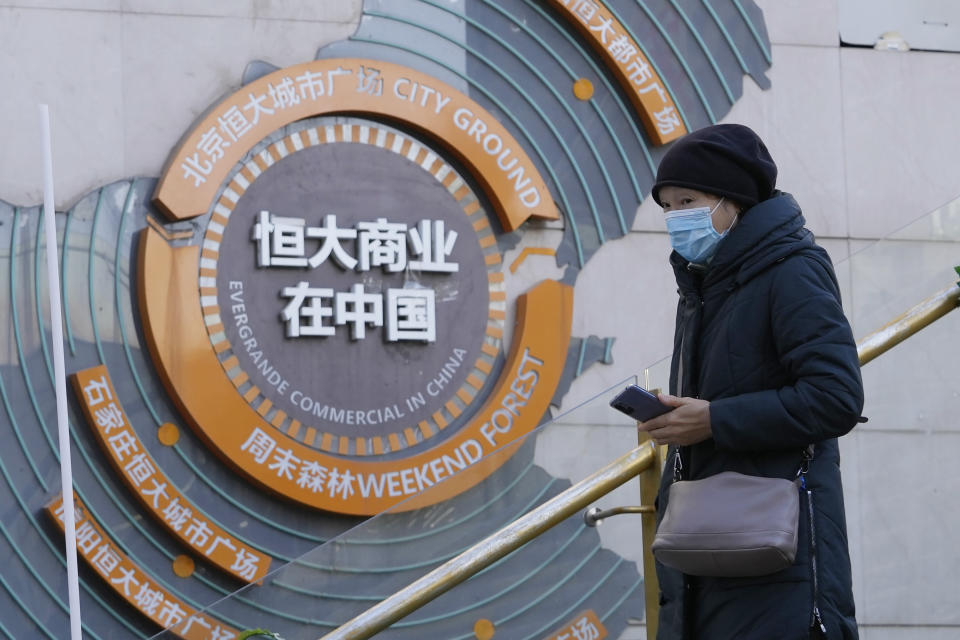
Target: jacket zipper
(677,461)
(680,367)
(815,619)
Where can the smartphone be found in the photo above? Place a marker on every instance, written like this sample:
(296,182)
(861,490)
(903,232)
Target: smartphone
(639,404)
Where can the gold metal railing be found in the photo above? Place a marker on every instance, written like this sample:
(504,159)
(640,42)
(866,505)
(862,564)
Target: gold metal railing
(645,457)
(496,546)
(908,323)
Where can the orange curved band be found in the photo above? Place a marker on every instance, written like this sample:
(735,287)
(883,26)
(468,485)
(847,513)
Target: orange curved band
(189,368)
(392,92)
(132,461)
(623,56)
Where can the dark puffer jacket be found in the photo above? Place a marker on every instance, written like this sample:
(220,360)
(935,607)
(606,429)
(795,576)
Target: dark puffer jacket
(762,336)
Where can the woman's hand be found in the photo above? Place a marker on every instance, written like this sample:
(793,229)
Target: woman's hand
(688,423)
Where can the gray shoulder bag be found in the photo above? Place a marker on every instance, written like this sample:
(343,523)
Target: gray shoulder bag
(730,524)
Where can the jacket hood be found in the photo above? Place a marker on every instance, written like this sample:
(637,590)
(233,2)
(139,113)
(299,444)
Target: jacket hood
(765,233)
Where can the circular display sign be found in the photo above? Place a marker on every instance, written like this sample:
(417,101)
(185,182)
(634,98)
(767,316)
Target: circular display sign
(335,334)
(355,293)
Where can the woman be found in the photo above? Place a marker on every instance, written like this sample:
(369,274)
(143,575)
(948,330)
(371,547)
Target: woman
(764,365)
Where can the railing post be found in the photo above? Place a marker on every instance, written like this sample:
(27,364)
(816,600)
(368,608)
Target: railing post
(649,486)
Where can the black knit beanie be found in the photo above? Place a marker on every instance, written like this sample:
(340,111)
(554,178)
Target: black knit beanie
(725,160)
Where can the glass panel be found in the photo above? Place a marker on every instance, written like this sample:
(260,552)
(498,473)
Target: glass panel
(911,402)
(887,277)
(906,386)
(545,587)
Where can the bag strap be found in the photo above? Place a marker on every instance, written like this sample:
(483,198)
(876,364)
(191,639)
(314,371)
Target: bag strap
(805,457)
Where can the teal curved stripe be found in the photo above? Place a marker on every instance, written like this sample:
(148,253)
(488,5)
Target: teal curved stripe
(16,334)
(432,562)
(91,261)
(706,51)
(40,534)
(426,563)
(13,593)
(39,238)
(676,52)
(86,587)
(479,603)
(128,200)
(473,605)
(43,585)
(629,113)
(753,30)
(333,596)
(622,599)
(543,596)
(600,115)
(726,35)
(566,107)
(328,596)
(571,223)
(64,289)
(653,63)
(16,433)
(6,633)
(565,615)
(245,509)
(429,563)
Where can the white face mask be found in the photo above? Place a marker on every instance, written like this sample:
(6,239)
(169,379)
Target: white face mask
(692,233)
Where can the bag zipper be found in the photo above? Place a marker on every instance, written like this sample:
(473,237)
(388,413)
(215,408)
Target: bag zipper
(815,619)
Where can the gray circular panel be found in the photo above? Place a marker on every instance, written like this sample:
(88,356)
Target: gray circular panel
(353,283)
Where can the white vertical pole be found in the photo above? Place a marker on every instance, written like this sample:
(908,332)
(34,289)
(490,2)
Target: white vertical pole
(60,378)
